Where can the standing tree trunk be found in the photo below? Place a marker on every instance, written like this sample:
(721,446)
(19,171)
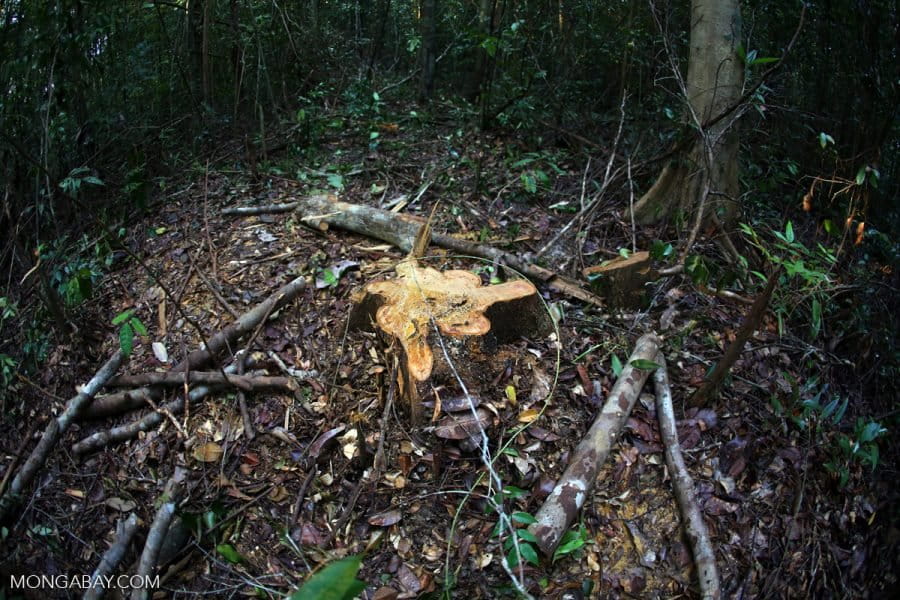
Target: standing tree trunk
(429,31)
(705,176)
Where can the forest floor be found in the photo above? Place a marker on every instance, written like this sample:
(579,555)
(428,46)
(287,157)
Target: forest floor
(782,526)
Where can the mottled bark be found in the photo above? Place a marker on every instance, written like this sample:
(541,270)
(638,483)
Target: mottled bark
(170,498)
(561,508)
(694,527)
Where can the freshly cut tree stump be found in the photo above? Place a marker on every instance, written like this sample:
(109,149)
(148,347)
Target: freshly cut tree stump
(447,324)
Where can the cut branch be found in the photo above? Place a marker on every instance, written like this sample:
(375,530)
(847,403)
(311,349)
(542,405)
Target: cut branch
(218,345)
(149,421)
(573,488)
(736,348)
(248,383)
(54,431)
(694,526)
(170,498)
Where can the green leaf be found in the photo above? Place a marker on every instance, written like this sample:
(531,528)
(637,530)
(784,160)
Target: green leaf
(764,60)
(329,277)
(524,534)
(138,326)
(122,317)
(126,339)
(789,232)
(229,553)
(528,553)
(644,365)
(660,250)
(825,139)
(94,180)
(830,229)
(616,365)
(336,181)
(861,175)
(512,492)
(624,252)
(816,321)
(523,517)
(337,581)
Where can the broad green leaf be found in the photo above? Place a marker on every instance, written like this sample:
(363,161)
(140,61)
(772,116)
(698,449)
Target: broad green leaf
(789,232)
(523,517)
(122,317)
(524,534)
(337,581)
(126,339)
(644,365)
(861,175)
(528,553)
(229,553)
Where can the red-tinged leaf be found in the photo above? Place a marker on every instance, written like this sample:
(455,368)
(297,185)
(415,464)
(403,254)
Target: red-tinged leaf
(586,384)
(250,458)
(542,434)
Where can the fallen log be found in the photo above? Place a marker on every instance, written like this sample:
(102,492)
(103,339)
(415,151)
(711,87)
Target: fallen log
(218,344)
(401,230)
(54,431)
(568,496)
(694,526)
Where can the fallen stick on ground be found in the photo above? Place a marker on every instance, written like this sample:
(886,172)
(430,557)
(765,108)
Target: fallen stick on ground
(400,230)
(697,534)
(170,498)
(149,421)
(125,530)
(54,431)
(116,403)
(568,496)
(247,383)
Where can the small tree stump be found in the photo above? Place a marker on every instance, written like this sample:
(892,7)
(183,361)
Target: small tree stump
(621,280)
(470,319)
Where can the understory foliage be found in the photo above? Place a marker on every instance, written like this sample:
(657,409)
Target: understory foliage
(104,104)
